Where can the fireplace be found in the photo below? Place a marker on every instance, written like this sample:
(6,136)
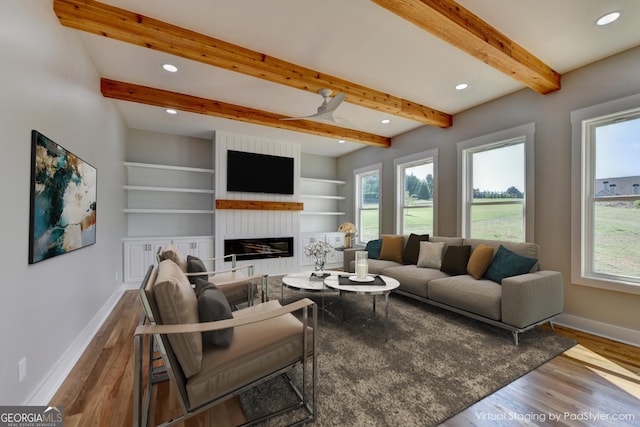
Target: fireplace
(249,249)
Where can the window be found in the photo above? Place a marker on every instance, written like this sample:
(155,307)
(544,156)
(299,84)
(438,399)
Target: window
(609,204)
(368,202)
(496,191)
(415,193)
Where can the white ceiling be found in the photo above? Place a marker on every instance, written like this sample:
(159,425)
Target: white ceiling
(355,40)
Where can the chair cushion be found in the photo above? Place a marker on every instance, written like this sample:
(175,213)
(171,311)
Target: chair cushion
(213,306)
(479,260)
(392,248)
(170,251)
(277,342)
(431,254)
(177,304)
(507,263)
(412,248)
(195,265)
(455,260)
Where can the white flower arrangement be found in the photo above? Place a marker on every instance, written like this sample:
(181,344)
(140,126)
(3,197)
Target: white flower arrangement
(318,250)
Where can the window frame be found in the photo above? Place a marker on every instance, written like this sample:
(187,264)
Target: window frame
(583,124)
(358,174)
(525,133)
(399,165)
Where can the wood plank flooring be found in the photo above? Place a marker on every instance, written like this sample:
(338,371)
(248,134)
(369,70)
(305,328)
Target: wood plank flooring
(597,378)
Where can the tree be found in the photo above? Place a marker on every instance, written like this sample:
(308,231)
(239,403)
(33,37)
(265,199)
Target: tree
(513,192)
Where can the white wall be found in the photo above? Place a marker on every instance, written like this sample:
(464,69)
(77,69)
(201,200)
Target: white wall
(241,224)
(606,80)
(48,310)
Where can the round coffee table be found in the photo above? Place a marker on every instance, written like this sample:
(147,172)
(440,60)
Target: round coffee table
(362,288)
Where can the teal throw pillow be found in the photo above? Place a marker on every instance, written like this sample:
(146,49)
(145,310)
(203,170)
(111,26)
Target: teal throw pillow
(507,263)
(373,248)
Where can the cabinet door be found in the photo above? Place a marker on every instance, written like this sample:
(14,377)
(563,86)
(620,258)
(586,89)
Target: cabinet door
(203,248)
(136,260)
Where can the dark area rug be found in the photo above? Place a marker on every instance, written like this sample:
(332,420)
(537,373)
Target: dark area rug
(428,365)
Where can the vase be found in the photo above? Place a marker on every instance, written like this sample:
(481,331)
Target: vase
(319,264)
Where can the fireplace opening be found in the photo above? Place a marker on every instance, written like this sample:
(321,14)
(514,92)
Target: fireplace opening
(249,249)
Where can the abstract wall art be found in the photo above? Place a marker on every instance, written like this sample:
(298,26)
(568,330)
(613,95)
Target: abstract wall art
(63,200)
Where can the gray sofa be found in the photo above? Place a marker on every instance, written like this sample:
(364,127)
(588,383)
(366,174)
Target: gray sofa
(517,304)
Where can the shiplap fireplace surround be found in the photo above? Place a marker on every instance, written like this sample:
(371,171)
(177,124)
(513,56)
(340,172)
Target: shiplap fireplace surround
(251,215)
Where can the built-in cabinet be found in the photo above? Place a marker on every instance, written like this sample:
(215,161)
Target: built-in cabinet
(140,253)
(166,204)
(335,239)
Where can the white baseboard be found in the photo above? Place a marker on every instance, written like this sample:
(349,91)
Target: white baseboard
(48,387)
(605,330)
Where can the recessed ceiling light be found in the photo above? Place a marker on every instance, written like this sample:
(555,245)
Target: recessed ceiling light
(341,141)
(385,121)
(461,86)
(171,111)
(170,68)
(608,18)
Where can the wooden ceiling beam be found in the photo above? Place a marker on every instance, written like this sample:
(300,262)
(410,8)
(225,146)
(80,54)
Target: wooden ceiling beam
(459,27)
(193,104)
(120,24)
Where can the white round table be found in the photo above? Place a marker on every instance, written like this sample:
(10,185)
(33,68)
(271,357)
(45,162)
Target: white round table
(362,288)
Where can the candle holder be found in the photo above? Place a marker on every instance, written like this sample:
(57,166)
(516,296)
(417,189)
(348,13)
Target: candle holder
(362,267)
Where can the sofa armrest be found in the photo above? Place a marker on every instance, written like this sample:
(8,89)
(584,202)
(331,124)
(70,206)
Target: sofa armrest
(532,297)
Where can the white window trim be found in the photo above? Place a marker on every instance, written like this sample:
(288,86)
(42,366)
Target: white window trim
(399,186)
(579,119)
(356,200)
(526,131)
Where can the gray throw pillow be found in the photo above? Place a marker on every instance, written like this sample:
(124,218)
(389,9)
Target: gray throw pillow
(195,265)
(213,306)
(412,248)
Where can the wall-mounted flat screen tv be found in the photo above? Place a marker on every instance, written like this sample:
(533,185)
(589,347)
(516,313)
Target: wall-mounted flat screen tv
(259,173)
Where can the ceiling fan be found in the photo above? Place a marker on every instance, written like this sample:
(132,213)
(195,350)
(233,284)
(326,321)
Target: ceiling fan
(325,111)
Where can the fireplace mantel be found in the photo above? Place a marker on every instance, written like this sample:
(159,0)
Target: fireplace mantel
(259,205)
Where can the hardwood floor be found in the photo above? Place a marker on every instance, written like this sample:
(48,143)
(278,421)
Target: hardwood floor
(595,383)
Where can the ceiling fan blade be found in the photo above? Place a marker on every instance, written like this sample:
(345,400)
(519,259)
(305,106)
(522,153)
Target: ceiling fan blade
(333,104)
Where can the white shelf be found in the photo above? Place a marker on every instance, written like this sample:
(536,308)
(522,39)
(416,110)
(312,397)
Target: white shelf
(169,211)
(167,189)
(322,213)
(323,181)
(167,167)
(317,196)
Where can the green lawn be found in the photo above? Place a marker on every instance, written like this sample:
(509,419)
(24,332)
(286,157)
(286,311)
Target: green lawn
(617,236)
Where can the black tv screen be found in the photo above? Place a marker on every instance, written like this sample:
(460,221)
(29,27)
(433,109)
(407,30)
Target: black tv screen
(259,173)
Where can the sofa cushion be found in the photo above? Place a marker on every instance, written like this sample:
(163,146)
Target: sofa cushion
(479,260)
(177,304)
(170,251)
(507,263)
(431,254)
(482,297)
(195,265)
(377,266)
(455,260)
(412,248)
(373,248)
(213,306)
(414,279)
(392,248)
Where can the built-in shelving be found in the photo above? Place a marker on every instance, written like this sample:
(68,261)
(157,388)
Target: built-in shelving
(321,202)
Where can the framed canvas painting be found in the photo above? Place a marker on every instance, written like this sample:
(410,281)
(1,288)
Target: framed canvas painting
(63,200)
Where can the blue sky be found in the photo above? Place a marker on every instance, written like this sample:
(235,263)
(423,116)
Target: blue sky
(618,150)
